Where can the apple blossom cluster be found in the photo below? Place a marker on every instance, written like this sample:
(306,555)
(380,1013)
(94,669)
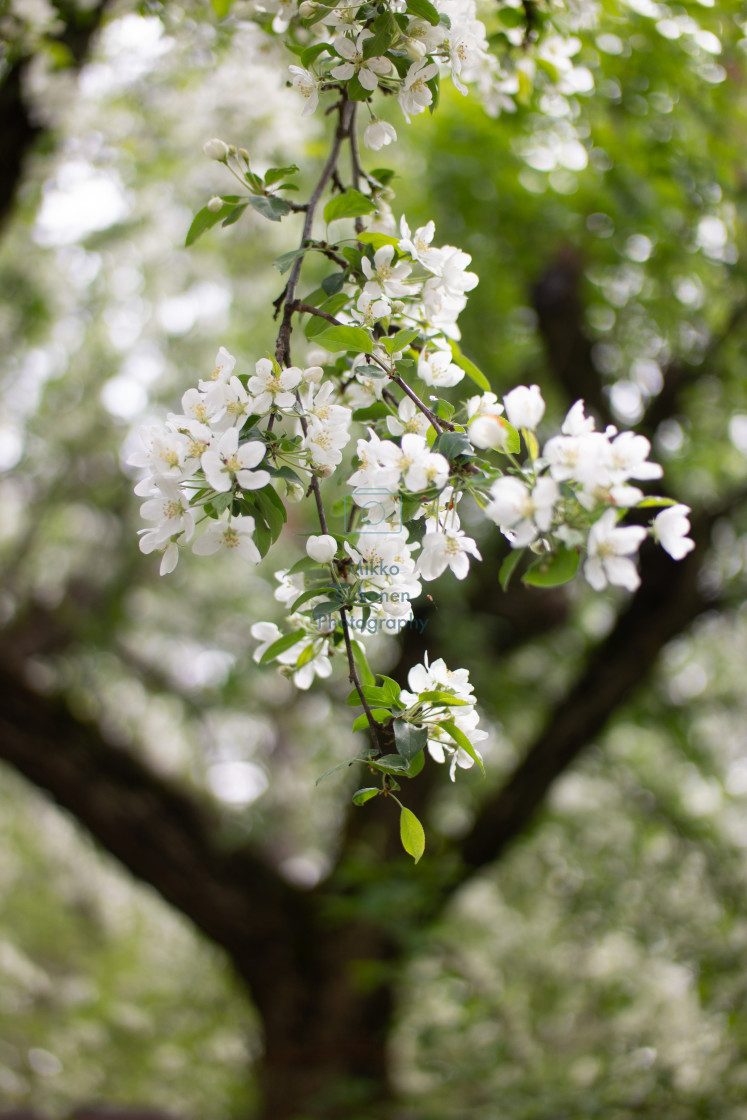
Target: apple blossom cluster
(379,407)
(211,467)
(396,48)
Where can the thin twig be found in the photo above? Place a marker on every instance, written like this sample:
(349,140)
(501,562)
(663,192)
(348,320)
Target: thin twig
(373,726)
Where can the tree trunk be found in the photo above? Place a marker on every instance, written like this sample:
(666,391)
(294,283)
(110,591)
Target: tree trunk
(326,1023)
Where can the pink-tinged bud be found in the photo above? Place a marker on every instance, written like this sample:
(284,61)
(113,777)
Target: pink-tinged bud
(216,149)
(215,204)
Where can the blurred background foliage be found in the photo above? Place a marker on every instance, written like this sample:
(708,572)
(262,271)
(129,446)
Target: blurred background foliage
(598,970)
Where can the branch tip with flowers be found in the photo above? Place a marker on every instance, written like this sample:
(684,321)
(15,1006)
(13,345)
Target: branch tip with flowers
(245,444)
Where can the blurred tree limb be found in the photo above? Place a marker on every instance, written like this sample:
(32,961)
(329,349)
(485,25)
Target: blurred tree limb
(19,132)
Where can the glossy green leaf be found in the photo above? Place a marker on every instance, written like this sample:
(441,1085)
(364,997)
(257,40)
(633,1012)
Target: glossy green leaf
(346,338)
(412,834)
(554,570)
(351,204)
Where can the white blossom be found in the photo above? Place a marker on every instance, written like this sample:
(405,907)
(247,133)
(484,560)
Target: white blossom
(378,134)
(609,550)
(308,86)
(366,69)
(272,387)
(235,533)
(228,462)
(522,513)
(524,406)
(671,527)
(450,548)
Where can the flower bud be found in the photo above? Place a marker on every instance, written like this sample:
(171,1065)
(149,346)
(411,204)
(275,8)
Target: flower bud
(322,549)
(215,204)
(294,492)
(313,375)
(415,48)
(216,149)
(488,431)
(307,9)
(524,406)
(244,154)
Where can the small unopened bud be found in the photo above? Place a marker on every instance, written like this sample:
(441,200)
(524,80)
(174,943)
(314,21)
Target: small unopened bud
(313,375)
(216,149)
(488,431)
(215,204)
(324,472)
(294,492)
(307,9)
(322,549)
(244,154)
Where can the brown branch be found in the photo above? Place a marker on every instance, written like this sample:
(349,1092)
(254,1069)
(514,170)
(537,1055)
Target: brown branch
(156,830)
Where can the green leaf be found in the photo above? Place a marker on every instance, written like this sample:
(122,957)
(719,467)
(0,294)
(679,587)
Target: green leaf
(409,739)
(325,609)
(423,9)
(346,338)
(654,503)
(275,174)
(389,764)
(310,593)
(310,54)
(511,17)
(530,440)
(377,411)
(205,219)
(512,446)
(459,737)
(355,90)
(381,715)
(339,766)
(400,341)
(552,571)
(281,645)
(272,509)
(316,325)
(235,214)
(377,240)
(445,698)
(453,444)
(469,367)
(284,262)
(332,284)
(509,566)
(364,672)
(361,796)
(384,29)
(392,689)
(351,204)
(411,831)
(269,206)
